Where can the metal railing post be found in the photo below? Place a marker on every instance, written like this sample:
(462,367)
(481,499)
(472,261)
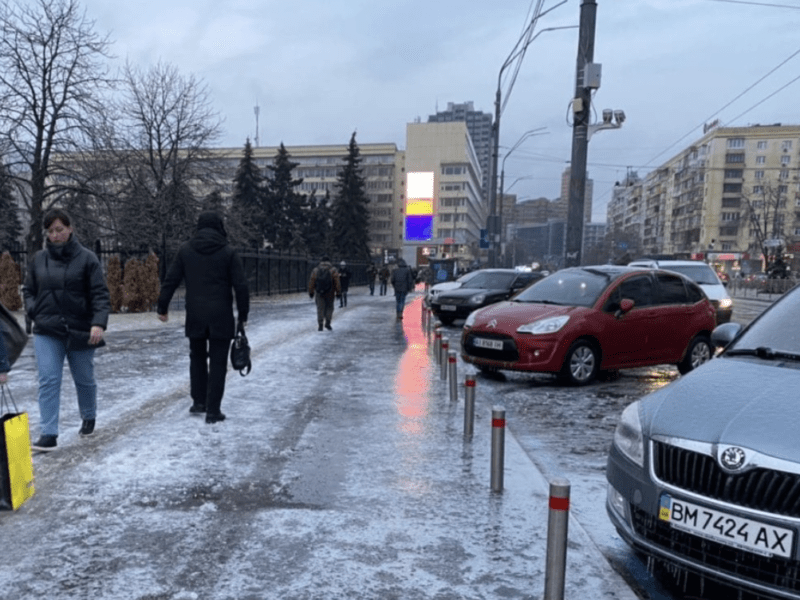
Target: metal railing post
(498,447)
(558,520)
(452,363)
(443,357)
(469,405)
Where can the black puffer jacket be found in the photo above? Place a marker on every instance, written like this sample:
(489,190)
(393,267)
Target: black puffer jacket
(64,287)
(211,270)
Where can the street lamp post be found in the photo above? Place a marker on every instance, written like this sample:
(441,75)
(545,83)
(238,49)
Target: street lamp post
(517,53)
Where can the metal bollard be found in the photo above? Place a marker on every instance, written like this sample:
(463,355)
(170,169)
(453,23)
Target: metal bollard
(556,562)
(437,345)
(452,363)
(443,357)
(469,405)
(498,447)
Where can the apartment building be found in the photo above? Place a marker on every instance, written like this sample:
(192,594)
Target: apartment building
(717,197)
(479,125)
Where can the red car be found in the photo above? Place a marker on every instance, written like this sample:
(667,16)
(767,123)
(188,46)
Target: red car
(578,321)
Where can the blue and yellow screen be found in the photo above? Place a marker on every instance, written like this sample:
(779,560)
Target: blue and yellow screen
(419,207)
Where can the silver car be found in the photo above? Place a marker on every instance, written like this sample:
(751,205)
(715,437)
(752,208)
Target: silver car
(704,474)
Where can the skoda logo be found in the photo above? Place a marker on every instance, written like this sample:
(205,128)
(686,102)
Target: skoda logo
(492,323)
(732,458)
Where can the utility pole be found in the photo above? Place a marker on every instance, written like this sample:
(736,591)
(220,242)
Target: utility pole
(581,109)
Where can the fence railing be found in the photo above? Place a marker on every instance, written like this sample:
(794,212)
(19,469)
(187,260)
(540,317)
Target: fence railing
(760,286)
(268,271)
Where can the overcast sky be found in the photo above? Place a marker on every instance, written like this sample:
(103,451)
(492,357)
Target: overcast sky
(321,69)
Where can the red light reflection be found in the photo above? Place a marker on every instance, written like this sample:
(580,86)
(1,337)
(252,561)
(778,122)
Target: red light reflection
(413,377)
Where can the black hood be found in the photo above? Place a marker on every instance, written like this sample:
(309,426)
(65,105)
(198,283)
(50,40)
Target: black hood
(208,241)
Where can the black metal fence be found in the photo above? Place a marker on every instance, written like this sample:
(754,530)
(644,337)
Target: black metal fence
(269,272)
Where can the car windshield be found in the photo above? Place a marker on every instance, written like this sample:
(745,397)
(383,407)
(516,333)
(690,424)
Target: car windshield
(490,281)
(697,273)
(580,287)
(466,277)
(775,331)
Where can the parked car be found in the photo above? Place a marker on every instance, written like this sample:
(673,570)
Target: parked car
(578,321)
(486,287)
(704,474)
(438,288)
(703,275)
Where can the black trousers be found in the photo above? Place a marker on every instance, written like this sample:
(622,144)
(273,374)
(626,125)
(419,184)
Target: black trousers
(208,366)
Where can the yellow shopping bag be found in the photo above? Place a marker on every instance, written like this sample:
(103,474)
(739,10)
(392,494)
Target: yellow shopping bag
(16,464)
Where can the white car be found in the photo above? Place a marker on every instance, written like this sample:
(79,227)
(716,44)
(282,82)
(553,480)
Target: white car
(437,289)
(702,275)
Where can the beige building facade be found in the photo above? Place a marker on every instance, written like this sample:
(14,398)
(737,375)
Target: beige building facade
(716,198)
(446,150)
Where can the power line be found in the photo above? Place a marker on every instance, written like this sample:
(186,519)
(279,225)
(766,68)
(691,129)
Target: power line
(757,3)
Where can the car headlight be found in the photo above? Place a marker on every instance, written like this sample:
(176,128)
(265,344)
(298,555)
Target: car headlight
(470,320)
(477,299)
(549,325)
(628,435)
(725,303)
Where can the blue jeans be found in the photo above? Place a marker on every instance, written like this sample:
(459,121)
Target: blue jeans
(50,354)
(401,300)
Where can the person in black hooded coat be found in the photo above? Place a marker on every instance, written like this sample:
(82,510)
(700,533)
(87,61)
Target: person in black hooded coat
(212,272)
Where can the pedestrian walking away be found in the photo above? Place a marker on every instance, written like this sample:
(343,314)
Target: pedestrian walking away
(383,276)
(67,301)
(372,274)
(212,273)
(402,282)
(324,287)
(344,281)
(5,366)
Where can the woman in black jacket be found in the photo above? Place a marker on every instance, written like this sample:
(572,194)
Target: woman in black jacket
(211,270)
(67,300)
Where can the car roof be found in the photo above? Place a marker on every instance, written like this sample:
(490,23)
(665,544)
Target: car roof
(667,263)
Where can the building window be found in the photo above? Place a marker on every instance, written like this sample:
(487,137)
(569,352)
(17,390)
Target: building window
(797,230)
(784,174)
(783,189)
(762,145)
(758,189)
(728,231)
(727,246)
(729,188)
(731,202)
(730,216)
(733,173)
(786,159)
(760,160)
(734,158)
(787,144)
(735,142)
(759,175)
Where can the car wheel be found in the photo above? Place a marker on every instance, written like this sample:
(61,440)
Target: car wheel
(446,320)
(698,352)
(582,363)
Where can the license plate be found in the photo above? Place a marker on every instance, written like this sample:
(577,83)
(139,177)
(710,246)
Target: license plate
(746,534)
(448,306)
(490,344)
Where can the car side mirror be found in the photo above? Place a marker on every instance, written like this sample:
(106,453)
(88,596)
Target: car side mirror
(724,334)
(624,307)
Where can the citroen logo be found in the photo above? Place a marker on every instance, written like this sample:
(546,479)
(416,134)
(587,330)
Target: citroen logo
(492,323)
(732,458)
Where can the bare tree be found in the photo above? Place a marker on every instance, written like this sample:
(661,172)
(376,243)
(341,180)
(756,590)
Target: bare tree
(766,214)
(168,125)
(53,75)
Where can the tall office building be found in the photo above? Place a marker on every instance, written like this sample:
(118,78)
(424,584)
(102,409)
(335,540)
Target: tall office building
(587,195)
(479,125)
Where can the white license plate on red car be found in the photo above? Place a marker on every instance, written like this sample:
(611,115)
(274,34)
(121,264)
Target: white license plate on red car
(732,530)
(448,307)
(486,343)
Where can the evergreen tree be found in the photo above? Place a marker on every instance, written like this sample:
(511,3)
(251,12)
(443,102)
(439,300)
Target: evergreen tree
(247,208)
(10,226)
(318,225)
(286,209)
(350,216)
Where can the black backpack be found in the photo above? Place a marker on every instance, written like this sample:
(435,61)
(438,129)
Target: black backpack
(324,281)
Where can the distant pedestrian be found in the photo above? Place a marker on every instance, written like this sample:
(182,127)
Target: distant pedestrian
(402,282)
(383,276)
(344,281)
(67,300)
(5,366)
(212,272)
(372,275)
(324,287)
